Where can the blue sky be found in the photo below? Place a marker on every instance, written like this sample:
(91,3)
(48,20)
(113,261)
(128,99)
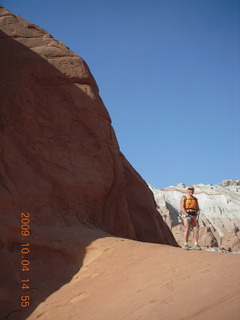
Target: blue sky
(169,74)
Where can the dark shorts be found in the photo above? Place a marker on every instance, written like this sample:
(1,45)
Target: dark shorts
(192,213)
(193,216)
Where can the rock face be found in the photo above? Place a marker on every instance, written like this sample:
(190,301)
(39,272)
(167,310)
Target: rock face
(60,162)
(220,213)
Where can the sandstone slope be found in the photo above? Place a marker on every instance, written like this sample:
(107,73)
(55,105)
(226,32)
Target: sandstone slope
(60,162)
(123,279)
(220,213)
(60,159)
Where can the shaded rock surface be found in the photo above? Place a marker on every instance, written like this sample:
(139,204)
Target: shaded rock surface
(220,213)
(60,162)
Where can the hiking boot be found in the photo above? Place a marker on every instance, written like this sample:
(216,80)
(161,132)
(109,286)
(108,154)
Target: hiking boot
(186,247)
(197,247)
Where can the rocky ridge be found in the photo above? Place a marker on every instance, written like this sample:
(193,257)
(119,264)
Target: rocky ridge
(220,213)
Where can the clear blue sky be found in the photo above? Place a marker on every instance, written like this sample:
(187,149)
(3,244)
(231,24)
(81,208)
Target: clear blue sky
(169,74)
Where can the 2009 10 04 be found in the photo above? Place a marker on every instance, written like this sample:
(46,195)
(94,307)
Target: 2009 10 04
(25,262)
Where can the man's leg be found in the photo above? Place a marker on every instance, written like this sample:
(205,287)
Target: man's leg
(186,231)
(195,225)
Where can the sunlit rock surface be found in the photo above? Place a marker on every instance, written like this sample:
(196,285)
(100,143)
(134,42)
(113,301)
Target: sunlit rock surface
(220,213)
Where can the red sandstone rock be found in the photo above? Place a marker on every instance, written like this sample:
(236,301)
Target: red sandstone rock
(60,162)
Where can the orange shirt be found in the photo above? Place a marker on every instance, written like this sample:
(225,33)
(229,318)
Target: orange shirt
(191,203)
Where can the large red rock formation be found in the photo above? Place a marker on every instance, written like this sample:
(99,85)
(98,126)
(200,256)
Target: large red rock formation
(61,163)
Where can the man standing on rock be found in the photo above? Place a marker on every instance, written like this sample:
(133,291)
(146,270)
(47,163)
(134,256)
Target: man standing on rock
(190,214)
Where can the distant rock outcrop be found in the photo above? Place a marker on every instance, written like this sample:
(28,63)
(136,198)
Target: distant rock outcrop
(220,213)
(60,162)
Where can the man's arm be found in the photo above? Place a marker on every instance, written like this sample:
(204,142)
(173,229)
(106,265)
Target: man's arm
(198,210)
(182,205)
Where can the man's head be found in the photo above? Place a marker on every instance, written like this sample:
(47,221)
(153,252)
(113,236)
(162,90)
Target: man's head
(190,190)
